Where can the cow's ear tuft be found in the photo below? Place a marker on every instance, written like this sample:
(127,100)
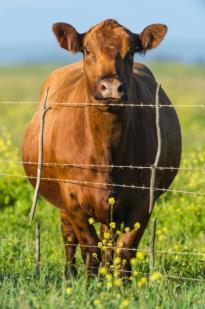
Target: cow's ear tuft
(151,36)
(68,37)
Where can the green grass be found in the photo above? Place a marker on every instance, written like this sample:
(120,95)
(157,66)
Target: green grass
(181,217)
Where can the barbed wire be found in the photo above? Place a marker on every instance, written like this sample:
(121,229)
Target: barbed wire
(147,274)
(76,104)
(109,247)
(106,166)
(103,185)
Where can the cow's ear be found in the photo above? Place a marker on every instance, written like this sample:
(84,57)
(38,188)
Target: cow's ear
(68,37)
(151,36)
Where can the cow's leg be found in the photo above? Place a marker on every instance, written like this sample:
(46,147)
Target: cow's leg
(70,243)
(87,239)
(131,239)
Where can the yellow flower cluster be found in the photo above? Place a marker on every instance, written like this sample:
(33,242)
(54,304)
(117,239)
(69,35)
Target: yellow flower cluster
(68,291)
(91,221)
(142,282)
(107,235)
(140,255)
(137,226)
(155,276)
(111,201)
(124,304)
(103,271)
(112,225)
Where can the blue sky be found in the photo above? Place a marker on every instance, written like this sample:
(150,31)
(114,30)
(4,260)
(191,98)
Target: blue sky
(27,24)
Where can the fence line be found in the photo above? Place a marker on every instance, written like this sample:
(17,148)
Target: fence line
(148,274)
(72,104)
(165,275)
(102,185)
(112,247)
(106,166)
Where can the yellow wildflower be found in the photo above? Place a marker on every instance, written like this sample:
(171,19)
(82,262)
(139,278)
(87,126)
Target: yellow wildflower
(133,261)
(142,281)
(118,282)
(111,201)
(155,276)
(127,229)
(109,285)
(97,303)
(161,237)
(103,271)
(99,245)
(109,277)
(107,235)
(116,273)
(104,248)
(91,221)
(110,244)
(135,273)
(117,260)
(124,304)
(68,291)
(137,226)
(69,239)
(112,225)
(140,255)
(94,254)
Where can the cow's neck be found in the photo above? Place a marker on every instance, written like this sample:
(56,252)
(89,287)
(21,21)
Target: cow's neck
(107,131)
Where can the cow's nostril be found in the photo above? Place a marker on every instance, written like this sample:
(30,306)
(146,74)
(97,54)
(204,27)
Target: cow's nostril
(121,88)
(103,87)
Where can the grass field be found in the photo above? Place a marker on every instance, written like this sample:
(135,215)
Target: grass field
(181,217)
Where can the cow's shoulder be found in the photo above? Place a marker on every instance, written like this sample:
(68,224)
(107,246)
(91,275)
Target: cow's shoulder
(66,72)
(63,79)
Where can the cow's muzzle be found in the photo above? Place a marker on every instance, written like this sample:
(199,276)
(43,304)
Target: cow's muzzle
(111,89)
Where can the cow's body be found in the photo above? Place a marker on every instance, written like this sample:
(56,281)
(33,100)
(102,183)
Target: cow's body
(101,135)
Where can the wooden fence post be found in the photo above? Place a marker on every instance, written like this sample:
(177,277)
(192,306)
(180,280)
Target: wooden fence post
(38,249)
(152,246)
(159,146)
(40,156)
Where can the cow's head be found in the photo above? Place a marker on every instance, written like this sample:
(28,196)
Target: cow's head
(109,50)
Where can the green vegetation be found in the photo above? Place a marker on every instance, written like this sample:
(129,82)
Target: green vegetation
(181,217)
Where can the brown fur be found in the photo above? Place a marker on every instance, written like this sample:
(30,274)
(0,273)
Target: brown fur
(105,135)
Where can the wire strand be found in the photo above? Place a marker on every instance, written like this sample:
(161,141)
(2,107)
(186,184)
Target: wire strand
(73,104)
(112,247)
(103,186)
(106,166)
(148,274)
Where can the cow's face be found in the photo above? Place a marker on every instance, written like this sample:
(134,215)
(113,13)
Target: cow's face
(108,50)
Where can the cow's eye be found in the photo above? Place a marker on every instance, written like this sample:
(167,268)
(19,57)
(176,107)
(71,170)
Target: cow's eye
(87,52)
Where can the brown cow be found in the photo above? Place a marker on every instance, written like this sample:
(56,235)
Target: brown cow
(103,134)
